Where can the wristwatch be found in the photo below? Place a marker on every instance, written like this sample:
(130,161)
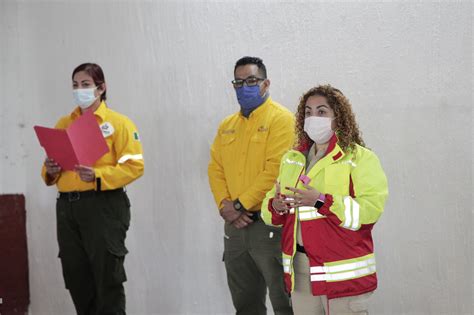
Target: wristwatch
(238,206)
(320,202)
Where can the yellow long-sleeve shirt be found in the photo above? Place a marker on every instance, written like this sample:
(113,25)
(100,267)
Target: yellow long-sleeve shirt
(246,154)
(117,168)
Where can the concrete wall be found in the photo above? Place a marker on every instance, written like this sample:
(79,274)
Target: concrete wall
(407,68)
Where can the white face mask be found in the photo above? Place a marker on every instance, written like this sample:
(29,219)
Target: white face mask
(84,97)
(318,129)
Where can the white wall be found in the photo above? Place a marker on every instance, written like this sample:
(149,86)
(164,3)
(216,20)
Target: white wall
(407,67)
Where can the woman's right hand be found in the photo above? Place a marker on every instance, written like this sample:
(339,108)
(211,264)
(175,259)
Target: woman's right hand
(52,168)
(278,202)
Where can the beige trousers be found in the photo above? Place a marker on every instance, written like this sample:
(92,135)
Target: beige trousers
(305,303)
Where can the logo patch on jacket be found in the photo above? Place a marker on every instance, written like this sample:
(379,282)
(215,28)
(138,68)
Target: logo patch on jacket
(262,129)
(136,136)
(293,162)
(347,162)
(107,129)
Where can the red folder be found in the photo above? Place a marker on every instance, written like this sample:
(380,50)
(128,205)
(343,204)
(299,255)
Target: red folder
(82,143)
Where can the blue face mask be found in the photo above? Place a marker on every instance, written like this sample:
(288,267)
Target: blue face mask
(249,98)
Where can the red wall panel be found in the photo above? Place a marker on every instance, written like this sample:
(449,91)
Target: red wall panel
(14,289)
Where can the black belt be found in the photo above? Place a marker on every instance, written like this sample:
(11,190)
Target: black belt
(300,248)
(76,195)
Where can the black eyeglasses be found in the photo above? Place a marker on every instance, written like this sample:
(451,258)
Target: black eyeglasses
(251,81)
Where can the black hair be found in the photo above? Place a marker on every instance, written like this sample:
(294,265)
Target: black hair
(252,61)
(95,71)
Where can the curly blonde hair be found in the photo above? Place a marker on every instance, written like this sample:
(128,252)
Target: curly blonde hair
(347,129)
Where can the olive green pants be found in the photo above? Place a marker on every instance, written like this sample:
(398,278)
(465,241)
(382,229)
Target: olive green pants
(91,234)
(253,263)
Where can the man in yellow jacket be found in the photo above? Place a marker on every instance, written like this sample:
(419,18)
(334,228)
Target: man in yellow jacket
(245,159)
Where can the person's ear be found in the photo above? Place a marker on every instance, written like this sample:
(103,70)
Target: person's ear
(265,86)
(101,88)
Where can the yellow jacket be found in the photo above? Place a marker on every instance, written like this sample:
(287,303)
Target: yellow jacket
(246,153)
(117,168)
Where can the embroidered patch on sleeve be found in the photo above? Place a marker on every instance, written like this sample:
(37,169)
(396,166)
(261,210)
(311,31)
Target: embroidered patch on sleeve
(136,136)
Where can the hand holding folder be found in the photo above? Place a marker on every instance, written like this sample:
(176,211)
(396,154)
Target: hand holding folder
(81,143)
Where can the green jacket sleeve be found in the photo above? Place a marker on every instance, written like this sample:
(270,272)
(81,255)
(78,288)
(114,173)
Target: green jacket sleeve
(370,192)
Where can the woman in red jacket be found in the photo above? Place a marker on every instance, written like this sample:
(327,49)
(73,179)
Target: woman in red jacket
(330,192)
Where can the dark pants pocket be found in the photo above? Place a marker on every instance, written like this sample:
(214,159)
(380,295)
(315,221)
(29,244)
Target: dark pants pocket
(115,268)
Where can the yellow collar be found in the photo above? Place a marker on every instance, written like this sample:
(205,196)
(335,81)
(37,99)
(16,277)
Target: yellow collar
(99,112)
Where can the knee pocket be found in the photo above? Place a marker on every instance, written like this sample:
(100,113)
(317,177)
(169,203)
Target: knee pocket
(115,234)
(115,239)
(115,256)
(64,271)
(229,256)
(360,303)
(115,267)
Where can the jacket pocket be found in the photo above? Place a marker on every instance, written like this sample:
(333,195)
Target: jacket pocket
(259,137)
(226,139)
(336,179)
(256,151)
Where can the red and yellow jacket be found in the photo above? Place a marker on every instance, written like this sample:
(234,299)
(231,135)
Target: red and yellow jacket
(337,237)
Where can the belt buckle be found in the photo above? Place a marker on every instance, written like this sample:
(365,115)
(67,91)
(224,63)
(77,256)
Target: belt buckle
(74,196)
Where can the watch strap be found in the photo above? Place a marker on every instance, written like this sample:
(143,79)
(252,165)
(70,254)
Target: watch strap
(320,202)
